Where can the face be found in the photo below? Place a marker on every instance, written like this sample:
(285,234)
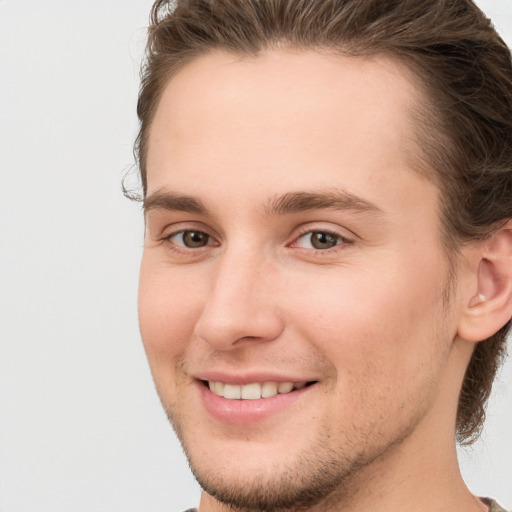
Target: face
(292,282)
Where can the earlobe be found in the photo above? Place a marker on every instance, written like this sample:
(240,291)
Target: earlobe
(489,307)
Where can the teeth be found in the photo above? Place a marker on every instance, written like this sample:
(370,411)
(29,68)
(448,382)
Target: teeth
(219,388)
(216,387)
(268,390)
(253,391)
(285,387)
(232,391)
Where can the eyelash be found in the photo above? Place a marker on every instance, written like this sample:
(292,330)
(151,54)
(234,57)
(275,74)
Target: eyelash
(342,242)
(184,250)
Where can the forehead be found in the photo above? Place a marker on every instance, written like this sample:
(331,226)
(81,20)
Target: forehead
(283,117)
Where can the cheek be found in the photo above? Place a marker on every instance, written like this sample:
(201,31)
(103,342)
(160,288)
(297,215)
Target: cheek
(167,315)
(363,321)
(377,334)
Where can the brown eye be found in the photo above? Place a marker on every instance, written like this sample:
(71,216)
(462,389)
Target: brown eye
(191,239)
(320,240)
(323,240)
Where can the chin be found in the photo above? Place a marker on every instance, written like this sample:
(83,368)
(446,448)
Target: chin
(285,465)
(252,476)
(282,485)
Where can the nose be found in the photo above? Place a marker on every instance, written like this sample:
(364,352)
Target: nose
(241,304)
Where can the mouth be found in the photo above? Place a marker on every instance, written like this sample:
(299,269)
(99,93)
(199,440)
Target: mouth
(247,400)
(255,390)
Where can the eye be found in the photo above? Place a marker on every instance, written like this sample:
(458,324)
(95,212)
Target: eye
(319,240)
(190,239)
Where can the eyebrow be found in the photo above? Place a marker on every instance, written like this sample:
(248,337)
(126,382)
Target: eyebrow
(335,199)
(164,200)
(291,202)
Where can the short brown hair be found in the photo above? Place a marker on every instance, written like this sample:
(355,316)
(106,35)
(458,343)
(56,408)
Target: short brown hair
(465,131)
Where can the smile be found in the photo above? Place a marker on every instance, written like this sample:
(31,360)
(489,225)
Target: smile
(253,391)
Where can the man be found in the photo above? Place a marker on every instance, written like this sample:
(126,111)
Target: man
(326,283)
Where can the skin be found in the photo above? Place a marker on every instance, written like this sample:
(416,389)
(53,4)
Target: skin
(367,319)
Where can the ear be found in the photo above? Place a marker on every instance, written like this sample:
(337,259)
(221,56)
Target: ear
(487,305)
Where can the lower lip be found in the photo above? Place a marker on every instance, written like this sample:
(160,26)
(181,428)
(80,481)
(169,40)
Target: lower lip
(245,412)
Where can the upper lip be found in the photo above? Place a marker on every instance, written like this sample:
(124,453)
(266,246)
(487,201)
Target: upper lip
(249,377)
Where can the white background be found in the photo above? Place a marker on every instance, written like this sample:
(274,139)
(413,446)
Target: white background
(81,428)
